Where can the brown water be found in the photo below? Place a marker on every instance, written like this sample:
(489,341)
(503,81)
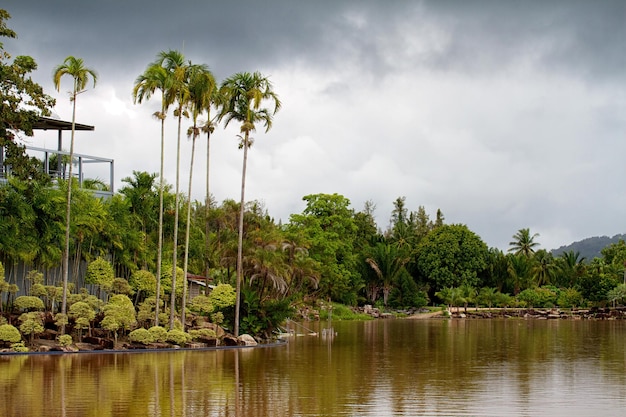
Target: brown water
(378,368)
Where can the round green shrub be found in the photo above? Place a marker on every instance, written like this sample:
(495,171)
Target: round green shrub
(202,334)
(65,340)
(178,337)
(9,333)
(141,336)
(158,333)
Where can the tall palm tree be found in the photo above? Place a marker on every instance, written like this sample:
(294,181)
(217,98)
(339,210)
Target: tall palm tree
(244,94)
(75,68)
(154,78)
(208,127)
(523,243)
(201,90)
(175,64)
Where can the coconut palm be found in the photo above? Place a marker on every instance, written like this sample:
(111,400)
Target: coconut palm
(154,78)
(244,94)
(201,88)
(75,68)
(523,243)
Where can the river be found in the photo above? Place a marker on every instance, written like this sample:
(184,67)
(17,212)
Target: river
(390,367)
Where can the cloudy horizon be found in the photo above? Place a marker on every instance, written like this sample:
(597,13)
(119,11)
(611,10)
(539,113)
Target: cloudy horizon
(503,114)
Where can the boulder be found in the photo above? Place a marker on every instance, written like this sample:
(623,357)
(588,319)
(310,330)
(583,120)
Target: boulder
(246,340)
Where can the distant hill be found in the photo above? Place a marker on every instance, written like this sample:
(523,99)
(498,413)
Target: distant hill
(589,248)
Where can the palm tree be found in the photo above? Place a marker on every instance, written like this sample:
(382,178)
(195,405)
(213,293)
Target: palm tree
(178,92)
(544,268)
(201,90)
(388,263)
(243,94)
(75,68)
(155,77)
(208,127)
(524,243)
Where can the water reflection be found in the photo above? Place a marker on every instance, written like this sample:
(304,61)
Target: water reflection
(381,368)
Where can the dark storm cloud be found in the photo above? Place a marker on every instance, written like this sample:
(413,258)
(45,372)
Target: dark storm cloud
(496,111)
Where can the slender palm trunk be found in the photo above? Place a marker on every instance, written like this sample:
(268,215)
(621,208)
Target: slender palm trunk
(160,238)
(240,241)
(177,199)
(207,203)
(68,207)
(186,262)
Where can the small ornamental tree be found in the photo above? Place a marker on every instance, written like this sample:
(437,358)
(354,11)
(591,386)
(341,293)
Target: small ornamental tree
(121,286)
(4,286)
(83,314)
(141,335)
(31,324)
(9,334)
(119,313)
(178,337)
(144,283)
(28,303)
(222,296)
(100,272)
(159,334)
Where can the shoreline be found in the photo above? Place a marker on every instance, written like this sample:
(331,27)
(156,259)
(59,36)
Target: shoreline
(277,343)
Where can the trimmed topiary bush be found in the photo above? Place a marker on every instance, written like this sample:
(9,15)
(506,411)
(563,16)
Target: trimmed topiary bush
(158,333)
(178,337)
(65,340)
(202,334)
(141,336)
(9,334)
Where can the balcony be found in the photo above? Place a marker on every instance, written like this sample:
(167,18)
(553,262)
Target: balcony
(93,173)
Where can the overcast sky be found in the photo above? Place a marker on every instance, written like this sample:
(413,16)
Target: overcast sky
(503,114)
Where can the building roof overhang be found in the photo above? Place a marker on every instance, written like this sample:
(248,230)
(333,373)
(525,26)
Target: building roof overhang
(48,123)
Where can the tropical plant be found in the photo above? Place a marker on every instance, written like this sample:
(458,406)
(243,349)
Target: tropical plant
(244,95)
(178,92)
(201,90)
(388,262)
(75,68)
(523,243)
(154,78)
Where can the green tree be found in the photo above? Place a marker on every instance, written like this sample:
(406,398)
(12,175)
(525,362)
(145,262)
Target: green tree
(178,92)
(9,334)
(31,324)
(29,303)
(83,314)
(154,78)
(75,68)
(22,103)
(451,255)
(544,268)
(328,223)
(119,313)
(201,90)
(524,243)
(100,273)
(244,95)
(144,283)
(388,262)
